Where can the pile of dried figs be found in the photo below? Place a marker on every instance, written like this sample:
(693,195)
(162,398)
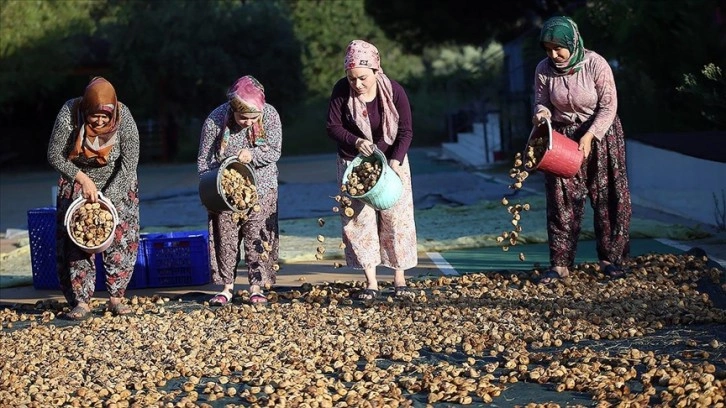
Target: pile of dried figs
(240,191)
(91,225)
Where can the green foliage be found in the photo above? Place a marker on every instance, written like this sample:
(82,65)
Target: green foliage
(181,57)
(709,88)
(419,24)
(40,44)
(654,44)
(326,27)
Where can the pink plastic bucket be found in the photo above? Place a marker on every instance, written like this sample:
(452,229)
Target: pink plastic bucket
(561,157)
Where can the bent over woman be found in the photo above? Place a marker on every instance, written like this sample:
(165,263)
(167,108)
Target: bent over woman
(95,148)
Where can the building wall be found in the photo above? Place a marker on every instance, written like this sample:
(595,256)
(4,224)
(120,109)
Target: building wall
(675,183)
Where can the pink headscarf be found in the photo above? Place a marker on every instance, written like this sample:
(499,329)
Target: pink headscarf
(361,54)
(247,95)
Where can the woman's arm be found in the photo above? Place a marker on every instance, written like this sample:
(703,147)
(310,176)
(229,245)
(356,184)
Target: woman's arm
(206,157)
(271,151)
(337,107)
(124,174)
(60,143)
(405,124)
(607,98)
(542,102)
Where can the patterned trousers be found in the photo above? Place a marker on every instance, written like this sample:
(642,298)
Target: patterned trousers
(259,236)
(602,178)
(77,269)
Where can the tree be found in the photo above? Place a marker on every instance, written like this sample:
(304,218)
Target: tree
(652,45)
(41,42)
(181,57)
(417,24)
(709,88)
(325,27)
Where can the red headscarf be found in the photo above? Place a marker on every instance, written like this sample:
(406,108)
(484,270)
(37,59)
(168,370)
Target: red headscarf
(93,145)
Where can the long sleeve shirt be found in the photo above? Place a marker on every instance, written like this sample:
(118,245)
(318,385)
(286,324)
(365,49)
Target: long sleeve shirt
(265,153)
(577,97)
(343,130)
(116,178)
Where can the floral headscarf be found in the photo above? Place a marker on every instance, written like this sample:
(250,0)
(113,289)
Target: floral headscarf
(563,32)
(93,146)
(246,95)
(361,54)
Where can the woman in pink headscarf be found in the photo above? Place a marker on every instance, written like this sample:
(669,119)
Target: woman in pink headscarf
(250,129)
(367,110)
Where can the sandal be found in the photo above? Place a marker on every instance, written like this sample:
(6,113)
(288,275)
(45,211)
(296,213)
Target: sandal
(613,271)
(367,294)
(220,299)
(118,309)
(403,292)
(257,297)
(549,277)
(79,313)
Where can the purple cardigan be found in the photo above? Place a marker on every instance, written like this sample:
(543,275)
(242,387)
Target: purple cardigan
(344,132)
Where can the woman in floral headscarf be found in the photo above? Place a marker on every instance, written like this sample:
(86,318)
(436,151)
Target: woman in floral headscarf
(248,128)
(367,110)
(95,148)
(575,89)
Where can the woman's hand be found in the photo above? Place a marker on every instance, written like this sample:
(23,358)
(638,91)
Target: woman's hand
(245,156)
(541,116)
(586,144)
(365,147)
(88,187)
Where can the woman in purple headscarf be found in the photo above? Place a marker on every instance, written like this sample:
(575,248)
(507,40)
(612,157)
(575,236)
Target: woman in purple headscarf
(367,110)
(249,128)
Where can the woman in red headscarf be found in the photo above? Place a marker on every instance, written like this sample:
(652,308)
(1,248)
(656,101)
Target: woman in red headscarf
(248,128)
(95,148)
(367,110)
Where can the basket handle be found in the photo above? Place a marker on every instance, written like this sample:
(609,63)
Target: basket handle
(75,202)
(109,204)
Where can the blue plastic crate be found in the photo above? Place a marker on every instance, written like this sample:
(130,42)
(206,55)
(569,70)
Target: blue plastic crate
(42,234)
(177,259)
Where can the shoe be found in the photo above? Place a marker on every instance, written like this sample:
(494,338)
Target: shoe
(118,309)
(367,294)
(613,271)
(220,299)
(404,292)
(549,277)
(257,297)
(79,313)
